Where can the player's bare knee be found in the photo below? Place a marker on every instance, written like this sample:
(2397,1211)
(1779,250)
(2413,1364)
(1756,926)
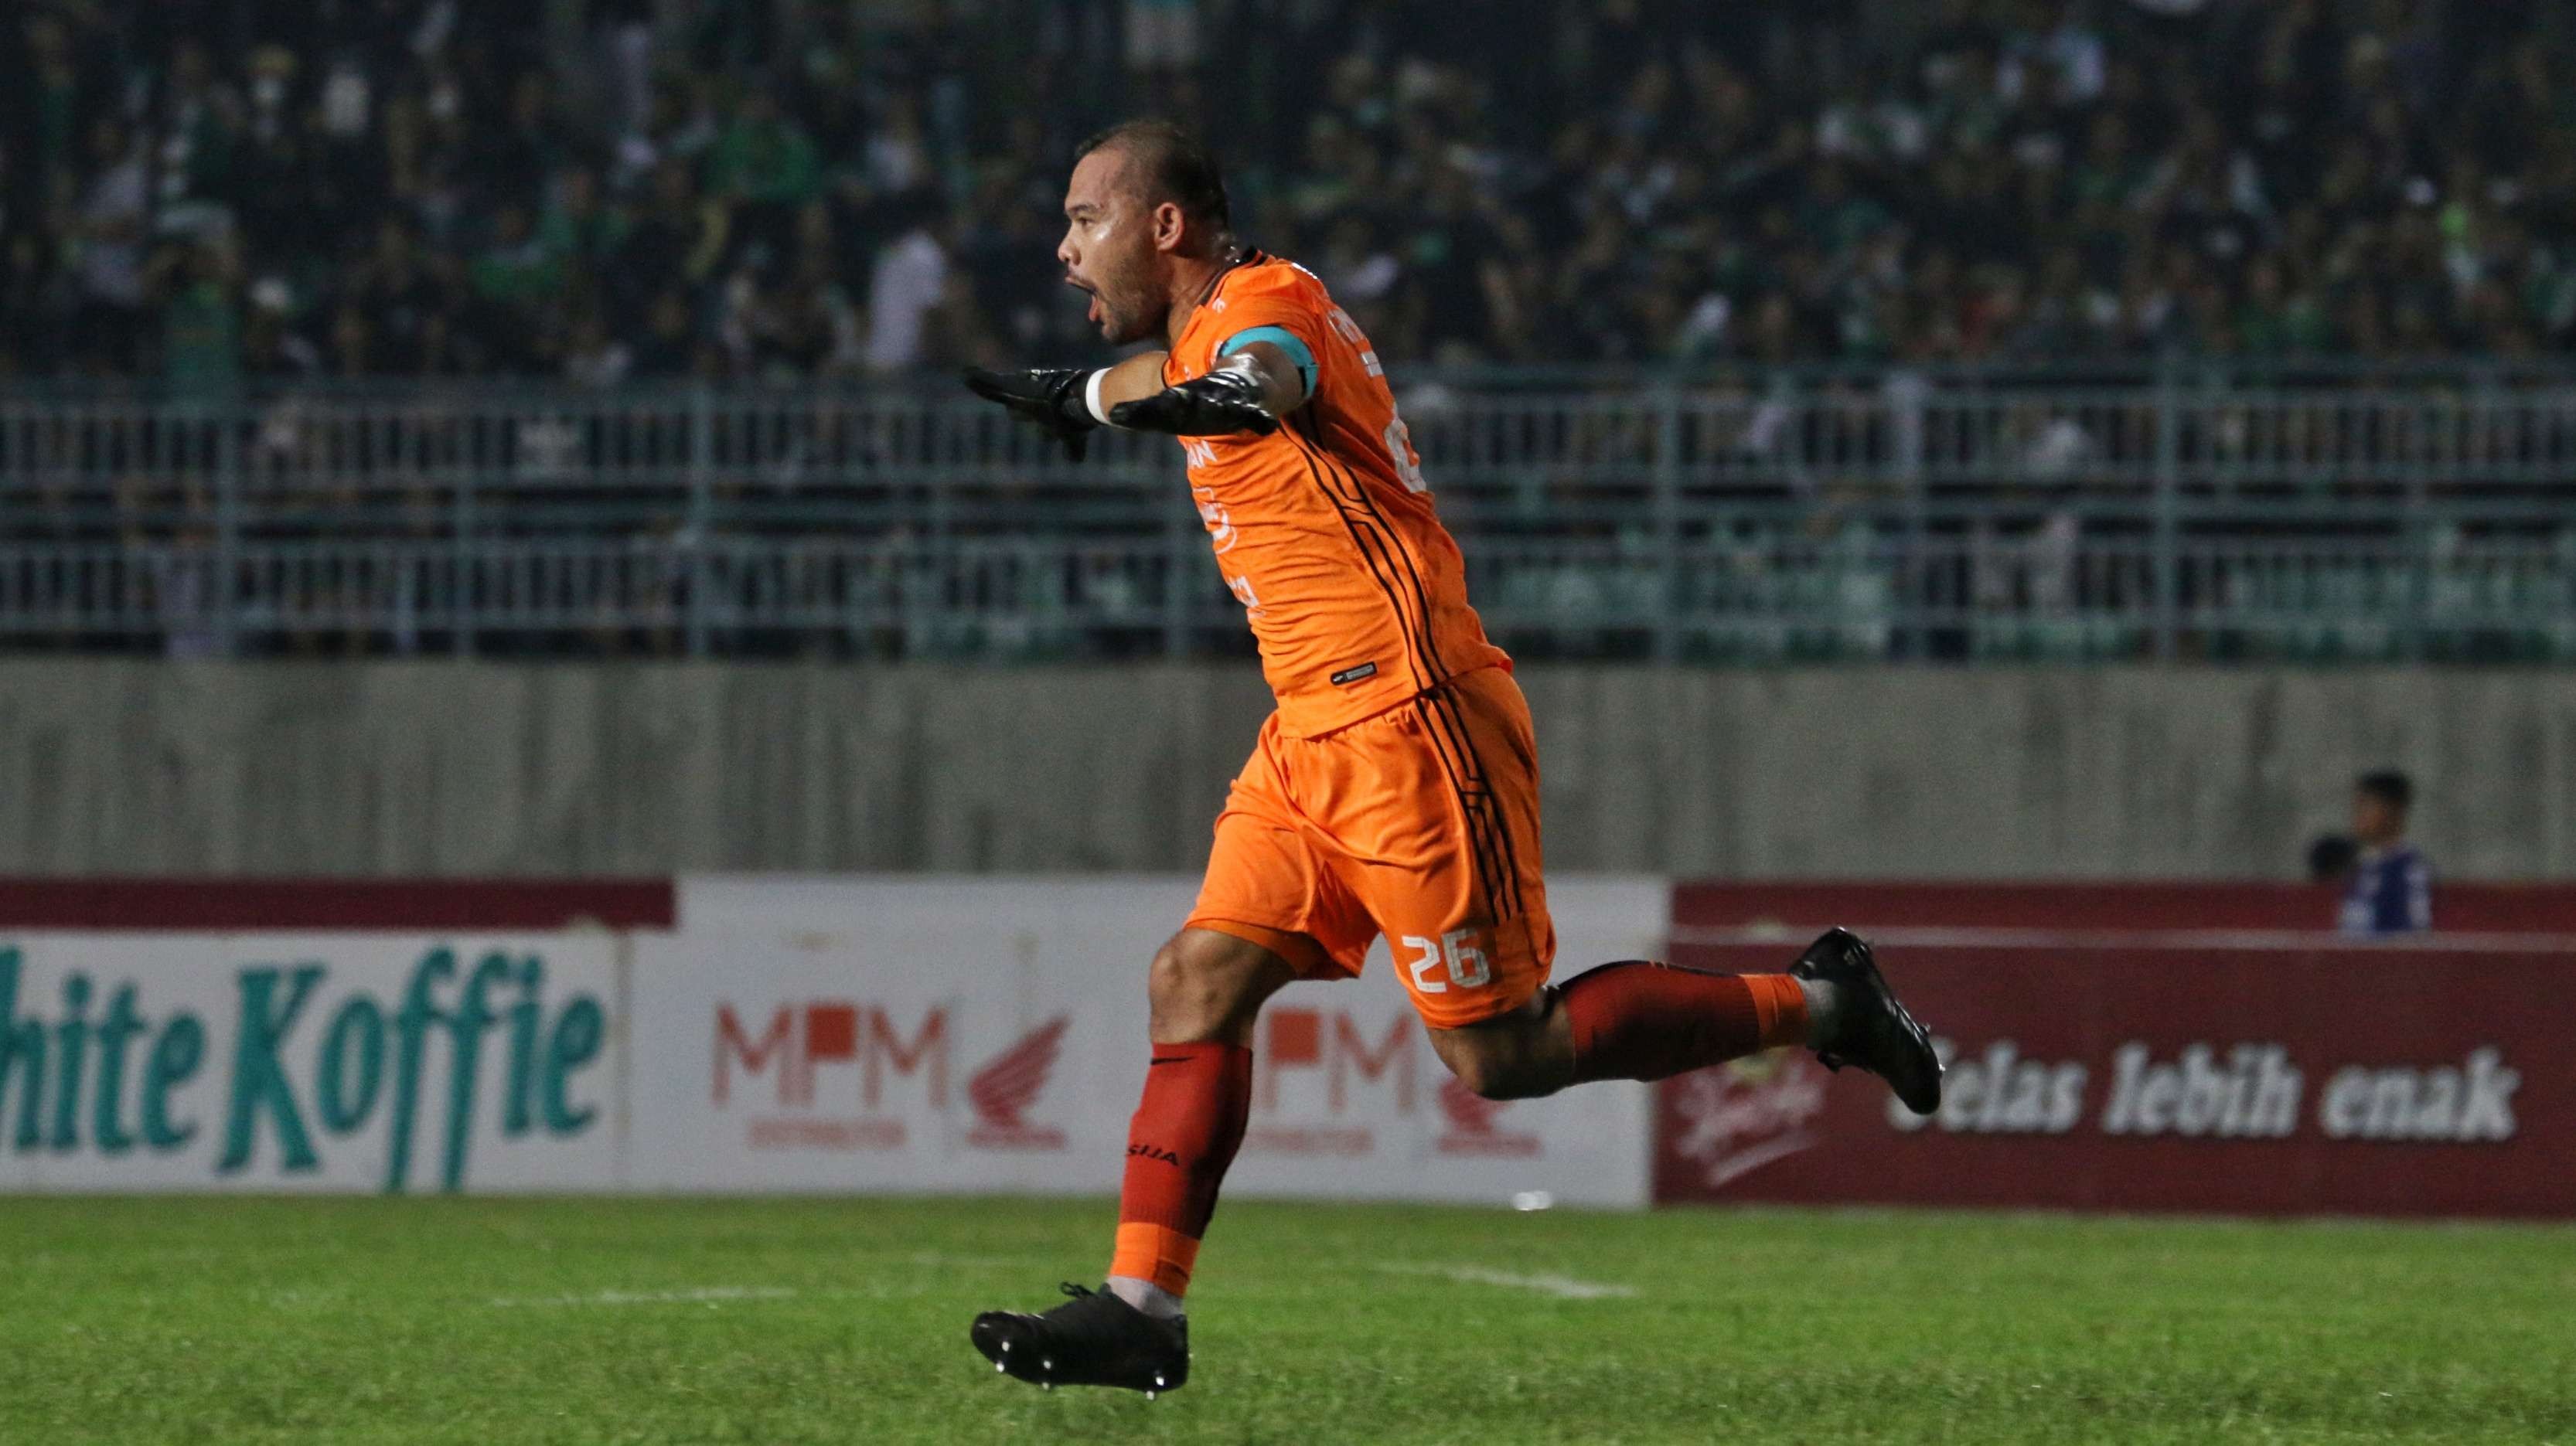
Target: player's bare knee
(1495,1061)
(1179,996)
(1480,1075)
(1204,986)
(1497,1076)
(1520,1055)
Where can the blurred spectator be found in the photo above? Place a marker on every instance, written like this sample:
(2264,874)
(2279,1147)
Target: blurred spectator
(410,303)
(516,279)
(765,164)
(2391,888)
(1162,35)
(906,283)
(1638,179)
(623,30)
(200,290)
(107,247)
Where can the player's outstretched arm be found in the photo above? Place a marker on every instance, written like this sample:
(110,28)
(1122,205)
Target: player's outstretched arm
(1247,391)
(1068,403)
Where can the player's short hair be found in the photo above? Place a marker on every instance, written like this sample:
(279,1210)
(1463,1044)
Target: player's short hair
(1174,165)
(2388,786)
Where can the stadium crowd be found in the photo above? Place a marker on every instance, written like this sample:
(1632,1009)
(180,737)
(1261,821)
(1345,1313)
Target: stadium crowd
(216,191)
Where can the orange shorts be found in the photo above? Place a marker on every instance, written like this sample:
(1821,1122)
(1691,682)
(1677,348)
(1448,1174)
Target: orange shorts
(1420,823)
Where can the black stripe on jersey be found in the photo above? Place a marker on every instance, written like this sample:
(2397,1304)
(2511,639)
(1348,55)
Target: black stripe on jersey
(1443,713)
(1425,658)
(1369,559)
(1488,835)
(1359,494)
(1442,705)
(1474,806)
(1445,701)
(1371,540)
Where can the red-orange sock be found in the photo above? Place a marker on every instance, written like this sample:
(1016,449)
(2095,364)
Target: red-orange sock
(1179,1143)
(1638,1020)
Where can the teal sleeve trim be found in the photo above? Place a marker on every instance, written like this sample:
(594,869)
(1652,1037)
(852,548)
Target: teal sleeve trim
(1280,337)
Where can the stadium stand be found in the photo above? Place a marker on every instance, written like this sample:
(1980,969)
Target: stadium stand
(1990,330)
(209,191)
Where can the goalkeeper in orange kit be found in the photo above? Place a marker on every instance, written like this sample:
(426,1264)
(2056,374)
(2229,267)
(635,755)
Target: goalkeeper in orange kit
(1395,789)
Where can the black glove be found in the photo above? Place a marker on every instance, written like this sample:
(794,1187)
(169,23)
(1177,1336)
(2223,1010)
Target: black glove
(1211,406)
(1049,396)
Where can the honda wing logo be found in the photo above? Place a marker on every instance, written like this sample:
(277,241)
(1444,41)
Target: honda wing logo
(842,1074)
(1002,1091)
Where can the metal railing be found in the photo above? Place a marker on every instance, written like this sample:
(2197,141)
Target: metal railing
(2418,513)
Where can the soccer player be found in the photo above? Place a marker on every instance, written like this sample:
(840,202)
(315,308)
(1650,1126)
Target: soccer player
(1394,790)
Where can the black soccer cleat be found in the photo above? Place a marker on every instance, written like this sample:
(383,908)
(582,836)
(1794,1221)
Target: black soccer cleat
(1875,1032)
(1093,1339)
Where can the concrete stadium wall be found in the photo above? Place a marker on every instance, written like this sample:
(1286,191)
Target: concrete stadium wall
(114,767)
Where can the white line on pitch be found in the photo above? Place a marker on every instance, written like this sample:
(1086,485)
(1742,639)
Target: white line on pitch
(939,1259)
(1563,1287)
(704,1295)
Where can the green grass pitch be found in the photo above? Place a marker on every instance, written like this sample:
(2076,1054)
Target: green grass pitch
(132,1321)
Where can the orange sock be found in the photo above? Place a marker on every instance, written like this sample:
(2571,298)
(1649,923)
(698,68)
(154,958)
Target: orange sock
(1154,1252)
(1640,1020)
(1779,1008)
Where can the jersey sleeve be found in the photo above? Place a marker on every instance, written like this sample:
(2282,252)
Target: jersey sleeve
(1282,318)
(1282,338)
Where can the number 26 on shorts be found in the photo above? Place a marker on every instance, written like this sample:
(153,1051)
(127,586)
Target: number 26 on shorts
(1456,949)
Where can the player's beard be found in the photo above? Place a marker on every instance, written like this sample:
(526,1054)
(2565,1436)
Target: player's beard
(1120,326)
(1126,308)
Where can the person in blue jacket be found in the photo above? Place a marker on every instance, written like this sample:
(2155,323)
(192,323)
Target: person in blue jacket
(2391,887)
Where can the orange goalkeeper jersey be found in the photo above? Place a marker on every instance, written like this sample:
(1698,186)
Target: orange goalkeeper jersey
(1323,529)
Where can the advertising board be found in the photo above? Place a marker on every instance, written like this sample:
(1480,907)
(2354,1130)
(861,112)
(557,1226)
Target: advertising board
(909,1034)
(2257,1074)
(991,1035)
(383,1062)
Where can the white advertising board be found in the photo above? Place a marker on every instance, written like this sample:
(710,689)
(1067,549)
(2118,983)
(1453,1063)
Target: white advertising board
(989,1034)
(297,1062)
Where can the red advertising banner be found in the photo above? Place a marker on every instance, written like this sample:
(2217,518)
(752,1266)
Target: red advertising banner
(2182,1070)
(2481,908)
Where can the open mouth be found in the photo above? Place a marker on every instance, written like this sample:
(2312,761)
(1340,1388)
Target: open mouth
(1091,312)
